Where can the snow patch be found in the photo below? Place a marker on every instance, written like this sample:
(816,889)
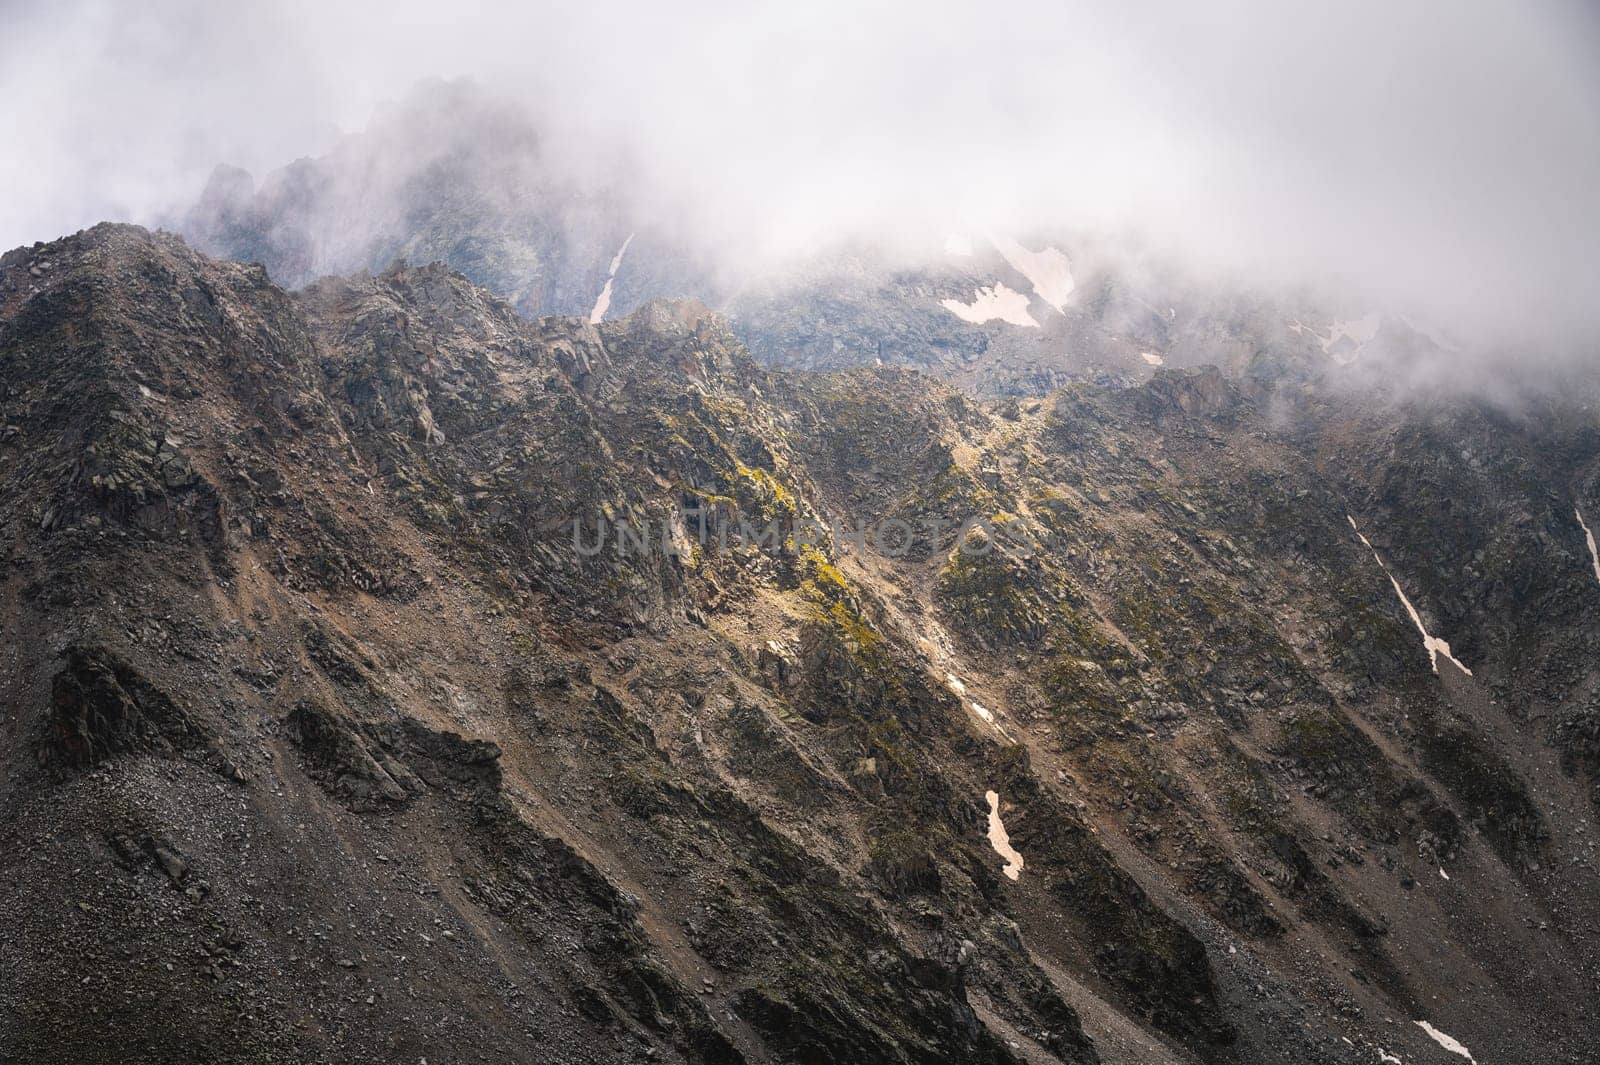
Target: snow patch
(1386,1058)
(986,715)
(1000,840)
(1358,331)
(1589,536)
(1048,270)
(602,303)
(959,689)
(1452,1045)
(995,302)
(1434,644)
(1152,358)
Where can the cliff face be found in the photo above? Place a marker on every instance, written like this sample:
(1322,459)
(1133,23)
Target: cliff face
(371,692)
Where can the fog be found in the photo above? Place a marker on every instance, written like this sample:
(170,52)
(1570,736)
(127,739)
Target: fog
(1439,156)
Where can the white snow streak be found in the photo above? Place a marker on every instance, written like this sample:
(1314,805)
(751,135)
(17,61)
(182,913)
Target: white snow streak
(990,303)
(959,688)
(1048,270)
(1589,536)
(1000,840)
(1358,331)
(1434,644)
(1152,358)
(602,302)
(1445,1041)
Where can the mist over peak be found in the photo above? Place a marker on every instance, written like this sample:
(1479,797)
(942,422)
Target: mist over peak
(1436,161)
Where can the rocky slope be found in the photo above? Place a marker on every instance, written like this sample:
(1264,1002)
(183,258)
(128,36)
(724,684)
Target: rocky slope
(335,730)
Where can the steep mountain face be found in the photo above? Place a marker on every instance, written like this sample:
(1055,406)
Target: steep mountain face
(371,691)
(452,174)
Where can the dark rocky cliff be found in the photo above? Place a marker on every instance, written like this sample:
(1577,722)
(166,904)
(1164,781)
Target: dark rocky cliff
(325,739)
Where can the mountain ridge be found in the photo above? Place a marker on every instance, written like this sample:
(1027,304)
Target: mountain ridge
(321,725)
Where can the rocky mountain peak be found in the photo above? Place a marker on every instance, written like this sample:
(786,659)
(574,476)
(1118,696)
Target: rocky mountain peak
(390,674)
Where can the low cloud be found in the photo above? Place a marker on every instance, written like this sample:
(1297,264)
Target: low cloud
(1438,156)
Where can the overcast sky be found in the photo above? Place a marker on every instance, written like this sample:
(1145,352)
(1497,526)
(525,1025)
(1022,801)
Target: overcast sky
(1447,153)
